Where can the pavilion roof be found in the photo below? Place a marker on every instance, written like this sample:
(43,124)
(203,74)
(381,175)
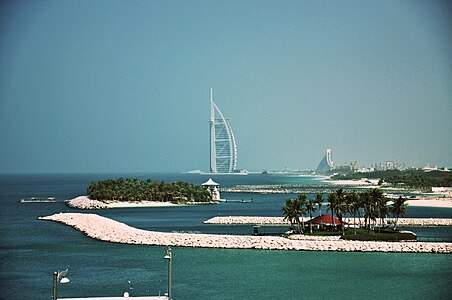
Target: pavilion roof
(210,182)
(325,219)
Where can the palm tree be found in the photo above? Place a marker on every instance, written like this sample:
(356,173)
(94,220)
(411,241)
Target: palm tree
(398,209)
(318,201)
(332,206)
(378,202)
(290,212)
(341,207)
(301,207)
(310,208)
(352,201)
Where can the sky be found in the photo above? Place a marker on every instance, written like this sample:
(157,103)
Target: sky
(124,86)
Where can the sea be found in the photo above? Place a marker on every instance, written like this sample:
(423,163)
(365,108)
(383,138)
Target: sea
(31,250)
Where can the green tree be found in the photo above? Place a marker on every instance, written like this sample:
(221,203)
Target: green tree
(331,206)
(341,207)
(291,212)
(319,202)
(310,208)
(302,201)
(378,204)
(398,209)
(353,203)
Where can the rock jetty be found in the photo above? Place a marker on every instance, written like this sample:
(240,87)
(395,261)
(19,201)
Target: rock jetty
(105,229)
(245,220)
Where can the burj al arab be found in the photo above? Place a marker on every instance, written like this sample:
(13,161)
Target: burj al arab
(223,148)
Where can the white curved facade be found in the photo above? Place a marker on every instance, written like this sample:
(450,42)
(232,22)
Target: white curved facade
(223,148)
(326,164)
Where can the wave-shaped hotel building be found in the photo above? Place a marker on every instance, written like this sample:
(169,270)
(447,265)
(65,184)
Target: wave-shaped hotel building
(223,148)
(326,164)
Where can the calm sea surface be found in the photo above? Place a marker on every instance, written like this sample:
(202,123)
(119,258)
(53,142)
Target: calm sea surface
(31,250)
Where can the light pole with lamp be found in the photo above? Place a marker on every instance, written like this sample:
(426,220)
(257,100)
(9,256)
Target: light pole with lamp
(58,277)
(169,256)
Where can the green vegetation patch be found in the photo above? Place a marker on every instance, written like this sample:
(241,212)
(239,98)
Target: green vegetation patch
(386,235)
(147,190)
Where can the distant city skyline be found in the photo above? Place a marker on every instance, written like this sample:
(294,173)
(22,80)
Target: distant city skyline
(113,86)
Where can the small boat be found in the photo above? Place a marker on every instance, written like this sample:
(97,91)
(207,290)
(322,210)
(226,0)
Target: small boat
(37,200)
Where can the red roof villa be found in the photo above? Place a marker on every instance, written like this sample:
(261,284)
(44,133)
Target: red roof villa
(326,220)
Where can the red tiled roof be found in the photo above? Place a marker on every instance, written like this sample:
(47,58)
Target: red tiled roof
(324,219)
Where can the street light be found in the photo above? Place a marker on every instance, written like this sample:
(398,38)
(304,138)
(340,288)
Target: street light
(58,277)
(169,256)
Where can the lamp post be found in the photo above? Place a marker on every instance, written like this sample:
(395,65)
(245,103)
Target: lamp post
(169,256)
(58,277)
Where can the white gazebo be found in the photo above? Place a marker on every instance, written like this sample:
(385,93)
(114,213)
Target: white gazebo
(214,189)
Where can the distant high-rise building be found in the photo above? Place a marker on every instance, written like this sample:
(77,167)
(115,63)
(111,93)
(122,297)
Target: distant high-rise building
(223,148)
(326,164)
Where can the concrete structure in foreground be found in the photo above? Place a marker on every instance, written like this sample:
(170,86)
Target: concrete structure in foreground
(223,148)
(326,163)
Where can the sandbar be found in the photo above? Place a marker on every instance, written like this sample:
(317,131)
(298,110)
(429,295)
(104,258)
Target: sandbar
(439,202)
(83,202)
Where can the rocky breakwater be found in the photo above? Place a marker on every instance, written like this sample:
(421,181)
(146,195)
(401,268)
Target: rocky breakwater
(83,202)
(245,220)
(408,222)
(105,229)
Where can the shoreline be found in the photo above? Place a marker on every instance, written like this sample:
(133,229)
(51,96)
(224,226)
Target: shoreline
(279,221)
(426,202)
(83,202)
(105,229)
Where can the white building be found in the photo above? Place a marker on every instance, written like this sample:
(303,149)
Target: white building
(214,189)
(223,148)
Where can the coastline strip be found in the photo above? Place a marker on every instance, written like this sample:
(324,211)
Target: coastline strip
(105,229)
(246,220)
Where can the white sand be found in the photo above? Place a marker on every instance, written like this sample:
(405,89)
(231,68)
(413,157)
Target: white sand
(83,202)
(440,202)
(105,229)
(359,182)
(122,204)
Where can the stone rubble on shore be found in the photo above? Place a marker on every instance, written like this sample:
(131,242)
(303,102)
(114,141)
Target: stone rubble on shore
(242,220)
(105,229)
(83,202)
(303,237)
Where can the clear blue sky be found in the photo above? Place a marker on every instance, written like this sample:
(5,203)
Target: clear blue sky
(102,86)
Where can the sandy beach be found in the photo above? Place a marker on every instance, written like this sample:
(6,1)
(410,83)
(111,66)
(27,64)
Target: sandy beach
(83,202)
(360,183)
(104,229)
(438,202)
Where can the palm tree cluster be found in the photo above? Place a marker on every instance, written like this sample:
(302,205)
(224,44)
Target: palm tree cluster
(296,208)
(371,205)
(147,190)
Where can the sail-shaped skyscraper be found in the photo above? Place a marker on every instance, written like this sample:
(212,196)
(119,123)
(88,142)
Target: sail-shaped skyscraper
(326,164)
(223,148)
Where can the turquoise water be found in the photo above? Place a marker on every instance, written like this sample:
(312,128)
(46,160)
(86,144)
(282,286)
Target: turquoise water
(31,250)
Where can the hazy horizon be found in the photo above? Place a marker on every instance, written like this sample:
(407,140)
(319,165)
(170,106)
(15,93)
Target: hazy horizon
(116,86)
